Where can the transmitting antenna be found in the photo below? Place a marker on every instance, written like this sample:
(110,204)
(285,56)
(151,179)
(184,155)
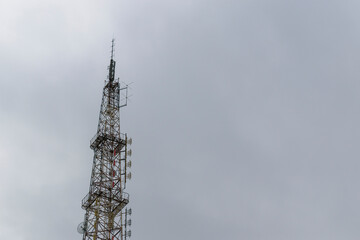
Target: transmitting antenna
(106,214)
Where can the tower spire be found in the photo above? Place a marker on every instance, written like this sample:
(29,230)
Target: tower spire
(112,62)
(112,48)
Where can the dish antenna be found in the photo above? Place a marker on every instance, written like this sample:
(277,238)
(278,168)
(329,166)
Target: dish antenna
(128,176)
(81,228)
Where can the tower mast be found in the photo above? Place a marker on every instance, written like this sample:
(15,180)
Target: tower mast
(106,215)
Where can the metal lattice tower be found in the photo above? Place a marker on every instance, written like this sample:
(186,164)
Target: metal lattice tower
(106,216)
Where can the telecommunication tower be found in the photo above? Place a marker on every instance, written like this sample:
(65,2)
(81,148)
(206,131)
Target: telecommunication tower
(107,217)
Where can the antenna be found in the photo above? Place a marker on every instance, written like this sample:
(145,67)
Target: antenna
(112,48)
(81,228)
(112,62)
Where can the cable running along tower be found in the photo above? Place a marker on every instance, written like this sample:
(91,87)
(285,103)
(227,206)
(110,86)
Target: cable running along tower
(107,217)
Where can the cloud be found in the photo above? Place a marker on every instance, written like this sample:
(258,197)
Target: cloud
(244,116)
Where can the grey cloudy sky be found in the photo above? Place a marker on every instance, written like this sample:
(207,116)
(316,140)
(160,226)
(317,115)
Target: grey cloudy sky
(245,116)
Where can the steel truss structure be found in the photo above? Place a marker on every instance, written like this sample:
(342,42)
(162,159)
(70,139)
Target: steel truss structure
(106,217)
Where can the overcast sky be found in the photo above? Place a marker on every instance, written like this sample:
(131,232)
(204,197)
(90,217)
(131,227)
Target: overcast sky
(244,116)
